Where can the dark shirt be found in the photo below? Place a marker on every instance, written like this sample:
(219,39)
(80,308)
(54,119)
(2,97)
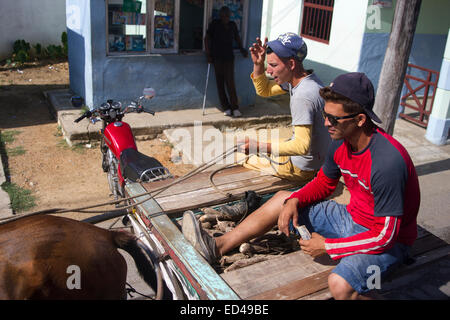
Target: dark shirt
(221,38)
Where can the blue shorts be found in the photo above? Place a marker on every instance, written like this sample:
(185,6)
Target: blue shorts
(331,220)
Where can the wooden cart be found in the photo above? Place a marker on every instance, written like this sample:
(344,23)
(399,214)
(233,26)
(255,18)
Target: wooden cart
(291,276)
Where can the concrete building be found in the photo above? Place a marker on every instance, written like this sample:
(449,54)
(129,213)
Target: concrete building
(352,35)
(40,21)
(115,52)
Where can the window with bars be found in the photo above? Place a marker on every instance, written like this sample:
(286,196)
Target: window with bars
(316,21)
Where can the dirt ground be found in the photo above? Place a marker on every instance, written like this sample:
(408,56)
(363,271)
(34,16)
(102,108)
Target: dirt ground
(57,175)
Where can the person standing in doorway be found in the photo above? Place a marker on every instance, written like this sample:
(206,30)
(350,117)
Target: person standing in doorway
(219,49)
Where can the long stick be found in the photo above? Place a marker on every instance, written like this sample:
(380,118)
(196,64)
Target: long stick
(206,88)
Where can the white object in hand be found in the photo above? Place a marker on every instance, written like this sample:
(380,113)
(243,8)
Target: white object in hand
(304,233)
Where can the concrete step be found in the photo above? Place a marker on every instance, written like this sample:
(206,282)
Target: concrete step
(200,144)
(265,112)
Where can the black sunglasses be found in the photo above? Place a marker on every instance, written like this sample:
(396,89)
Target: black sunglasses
(334,120)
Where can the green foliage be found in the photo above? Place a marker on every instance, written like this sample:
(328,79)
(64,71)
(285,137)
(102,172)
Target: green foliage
(65,43)
(37,49)
(54,52)
(22,57)
(8,136)
(23,52)
(17,151)
(21,45)
(84,108)
(21,199)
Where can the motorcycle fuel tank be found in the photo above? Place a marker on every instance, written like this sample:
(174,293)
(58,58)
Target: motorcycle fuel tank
(118,137)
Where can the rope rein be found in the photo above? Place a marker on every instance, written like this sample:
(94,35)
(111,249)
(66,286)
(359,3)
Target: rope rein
(151,193)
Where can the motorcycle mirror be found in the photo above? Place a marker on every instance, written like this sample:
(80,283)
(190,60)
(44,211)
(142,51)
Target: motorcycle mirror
(149,93)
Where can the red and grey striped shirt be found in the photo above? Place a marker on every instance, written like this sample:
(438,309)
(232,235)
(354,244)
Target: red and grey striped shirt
(384,191)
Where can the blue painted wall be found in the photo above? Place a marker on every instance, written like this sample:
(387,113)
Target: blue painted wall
(179,80)
(427,51)
(428,44)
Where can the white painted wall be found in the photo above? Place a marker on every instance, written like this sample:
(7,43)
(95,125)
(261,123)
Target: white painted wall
(347,31)
(35,21)
(285,17)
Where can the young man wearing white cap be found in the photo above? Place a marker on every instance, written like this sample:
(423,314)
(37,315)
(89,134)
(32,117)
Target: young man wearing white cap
(300,157)
(374,231)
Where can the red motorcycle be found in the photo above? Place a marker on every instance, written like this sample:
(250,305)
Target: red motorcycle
(121,159)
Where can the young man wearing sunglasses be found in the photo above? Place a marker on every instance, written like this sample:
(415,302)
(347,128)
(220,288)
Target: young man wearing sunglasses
(300,157)
(379,225)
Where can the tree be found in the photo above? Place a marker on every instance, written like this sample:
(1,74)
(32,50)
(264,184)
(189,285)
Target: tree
(395,62)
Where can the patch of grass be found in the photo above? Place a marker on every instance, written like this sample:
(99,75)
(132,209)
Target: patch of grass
(21,199)
(5,138)
(17,151)
(83,109)
(62,144)
(78,148)
(58,132)
(9,136)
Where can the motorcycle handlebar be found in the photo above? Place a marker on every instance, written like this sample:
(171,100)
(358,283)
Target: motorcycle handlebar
(134,107)
(138,108)
(86,114)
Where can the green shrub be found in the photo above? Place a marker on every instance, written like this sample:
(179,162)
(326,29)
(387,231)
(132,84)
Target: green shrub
(20,45)
(22,56)
(65,43)
(22,51)
(54,52)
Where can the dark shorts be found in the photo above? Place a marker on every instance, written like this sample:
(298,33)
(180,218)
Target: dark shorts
(362,271)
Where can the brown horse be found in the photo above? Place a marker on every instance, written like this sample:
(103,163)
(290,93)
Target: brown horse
(49,257)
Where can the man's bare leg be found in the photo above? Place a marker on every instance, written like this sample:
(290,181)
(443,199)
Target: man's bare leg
(342,290)
(256,224)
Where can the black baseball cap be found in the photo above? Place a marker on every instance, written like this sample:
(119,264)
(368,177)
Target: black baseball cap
(358,88)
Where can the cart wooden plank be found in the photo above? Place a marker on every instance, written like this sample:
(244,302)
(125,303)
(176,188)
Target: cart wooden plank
(197,191)
(296,275)
(297,289)
(264,279)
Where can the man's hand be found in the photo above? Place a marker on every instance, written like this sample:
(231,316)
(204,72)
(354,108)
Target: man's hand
(258,51)
(315,246)
(258,54)
(288,213)
(248,146)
